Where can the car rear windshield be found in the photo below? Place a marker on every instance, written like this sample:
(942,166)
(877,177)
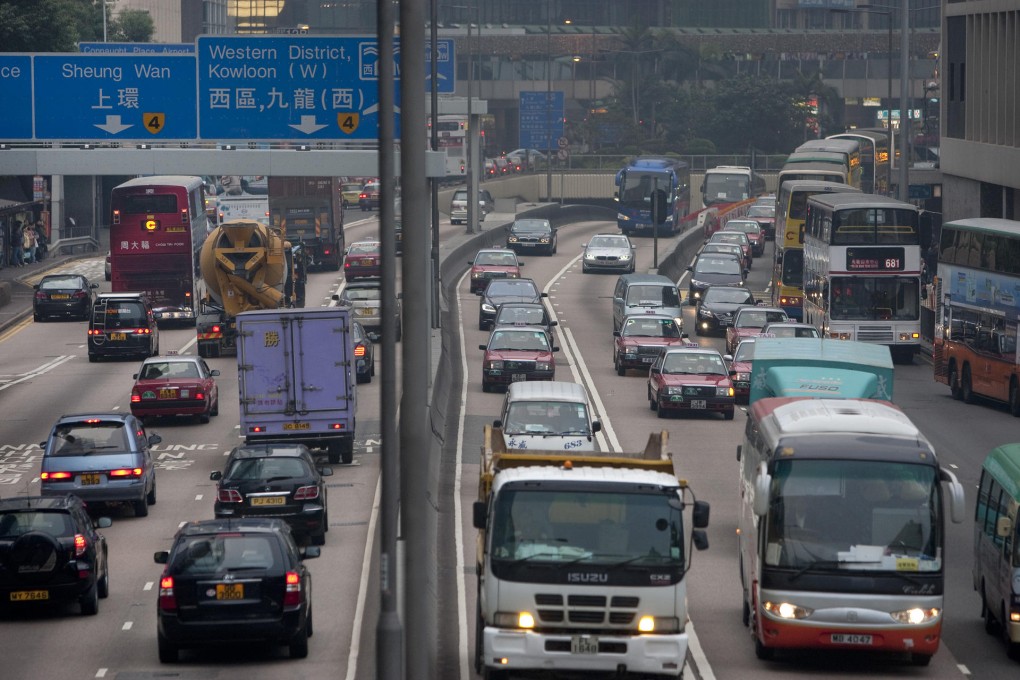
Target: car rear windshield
(211,554)
(14,523)
(59,282)
(80,438)
(268,467)
(125,314)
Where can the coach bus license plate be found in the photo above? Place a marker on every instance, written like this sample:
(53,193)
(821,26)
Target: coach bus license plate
(118,336)
(229,591)
(29,595)
(297,426)
(268,500)
(167,394)
(698,403)
(89,479)
(584,644)
(848,639)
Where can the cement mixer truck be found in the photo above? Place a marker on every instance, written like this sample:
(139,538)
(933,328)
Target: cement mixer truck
(245,266)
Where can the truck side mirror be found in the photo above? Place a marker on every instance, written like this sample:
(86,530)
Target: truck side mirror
(700,514)
(478,509)
(596,426)
(700,539)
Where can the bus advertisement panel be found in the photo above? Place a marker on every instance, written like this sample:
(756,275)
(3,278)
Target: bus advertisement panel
(977,293)
(157,228)
(862,270)
(788,259)
(636,185)
(842,531)
(727,184)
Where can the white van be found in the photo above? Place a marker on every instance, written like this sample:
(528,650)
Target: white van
(548,416)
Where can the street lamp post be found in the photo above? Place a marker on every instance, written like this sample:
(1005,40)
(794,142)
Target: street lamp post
(548,104)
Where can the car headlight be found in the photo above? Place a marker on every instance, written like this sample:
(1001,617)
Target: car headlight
(698,284)
(494,365)
(488,308)
(625,256)
(916,616)
(674,390)
(622,218)
(513,275)
(477,275)
(706,313)
(724,391)
(511,239)
(744,377)
(589,256)
(543,365)
(545,239)
(787,610)
(630,351)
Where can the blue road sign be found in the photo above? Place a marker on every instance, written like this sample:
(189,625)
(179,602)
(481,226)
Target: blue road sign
(135,48)
(541,120)
(445,62)
(145,97)
(290,87)
(16,84)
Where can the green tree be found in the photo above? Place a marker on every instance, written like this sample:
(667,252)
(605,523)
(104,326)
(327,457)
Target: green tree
(48,25)
(754,111)
(134,25)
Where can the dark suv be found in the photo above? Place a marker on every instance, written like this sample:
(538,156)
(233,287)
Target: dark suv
(122,325)
(50,551)
(233,581)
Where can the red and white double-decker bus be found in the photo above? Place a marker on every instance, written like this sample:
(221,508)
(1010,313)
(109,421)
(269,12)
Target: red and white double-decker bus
(157,228)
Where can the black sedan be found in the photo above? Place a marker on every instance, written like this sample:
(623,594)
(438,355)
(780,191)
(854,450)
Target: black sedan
(713,269)
(500,291)
(364,352)
(234,581)
(275,480)
(718,306)
(526,236)
(65,295)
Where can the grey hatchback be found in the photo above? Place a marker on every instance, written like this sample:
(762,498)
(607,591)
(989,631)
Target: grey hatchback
(101,458)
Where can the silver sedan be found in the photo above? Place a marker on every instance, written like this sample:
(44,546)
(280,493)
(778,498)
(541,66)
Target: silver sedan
(608,252)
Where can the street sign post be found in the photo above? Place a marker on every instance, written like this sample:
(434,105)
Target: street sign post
(541,119)
(16,84)
(445,60)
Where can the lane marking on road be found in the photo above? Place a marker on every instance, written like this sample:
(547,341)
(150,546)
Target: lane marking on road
(148,585)
(101,673)
(963,669)
(366,566)
(36,372)
(466,672)
(127,625)
(198,497)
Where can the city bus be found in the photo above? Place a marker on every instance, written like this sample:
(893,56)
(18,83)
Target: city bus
(849,148)
(451,132)
(731,184)
(996,568)
(842,533)
(977,318)
(862,270)
(875,165)
(638,180)
(814,171)
(157,228)
(788,257)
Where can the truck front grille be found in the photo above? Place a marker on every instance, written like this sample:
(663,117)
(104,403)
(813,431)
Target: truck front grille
(583,612)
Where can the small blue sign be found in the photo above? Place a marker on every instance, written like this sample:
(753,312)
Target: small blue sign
(445,66)
(122,97)
(135,48)
(541,120)
(290,87)
(16,84)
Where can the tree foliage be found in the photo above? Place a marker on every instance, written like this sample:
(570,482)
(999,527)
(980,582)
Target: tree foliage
(135,25)
(48,25)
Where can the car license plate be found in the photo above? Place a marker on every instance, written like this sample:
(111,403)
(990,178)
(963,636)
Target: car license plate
(118,336)
(297,426)
(367,311)
(367,263)
(698,403)
(269,500)
(850,639)
(90,479)
(647,360)
(60,296)
(584,644)
(29,595)
(518,377)
(167,394)
(229,591)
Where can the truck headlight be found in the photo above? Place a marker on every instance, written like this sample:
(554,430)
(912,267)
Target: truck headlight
(658,624)
(514,620)
(787,610)
(916,616)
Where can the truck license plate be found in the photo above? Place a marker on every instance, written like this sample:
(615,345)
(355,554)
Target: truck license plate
(850,639)
(584,644)
(297,426)
(698,403)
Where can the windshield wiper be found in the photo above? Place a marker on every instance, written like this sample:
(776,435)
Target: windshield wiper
(817,564)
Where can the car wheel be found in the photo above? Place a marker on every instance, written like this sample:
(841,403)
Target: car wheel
(481,323)
(486,387)
(103,584)
(728,414)
(761,651)
(333,452)
(36,318)
(659,413)
(311,630)
(141,508)
(90,601)
(697,328)
(299,643)
(651,401)
(319,538)
(620,368)
(954,383)
(150,498)
(347,451)
(168,651)
(584,269)
(215,410)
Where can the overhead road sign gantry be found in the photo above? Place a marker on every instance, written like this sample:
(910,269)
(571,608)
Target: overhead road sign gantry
(290,87)
(16,84)
(125,97)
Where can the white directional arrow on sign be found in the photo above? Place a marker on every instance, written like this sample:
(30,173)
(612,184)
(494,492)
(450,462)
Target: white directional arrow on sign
(308,125)
(113,125)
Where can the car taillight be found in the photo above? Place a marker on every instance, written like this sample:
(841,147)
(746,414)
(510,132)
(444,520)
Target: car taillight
(292,594)
(167,598)
(199,395)
(53,476)
(94,331)
(306,493)
(40,295)
(127,472)
(229,496)
(359,351)
(362,195)
(142,331)
(135,398)
(78,294)
(79,545)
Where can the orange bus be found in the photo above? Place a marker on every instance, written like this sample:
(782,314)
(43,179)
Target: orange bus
(977,291)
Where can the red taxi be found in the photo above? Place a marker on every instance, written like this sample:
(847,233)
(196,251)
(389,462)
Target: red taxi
(493,263)
(737,237)
(754,232)
(362,260)
(175,386)
(765,216)
(740,368)
(749,321)
(690,379)
(517,354)
(641,339)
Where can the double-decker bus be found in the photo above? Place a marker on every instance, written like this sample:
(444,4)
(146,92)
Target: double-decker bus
(157,228)
(636,184)
(788,258)
(452,130)
(815,171)
(977,293)
(850,149)
(725,184)
(862,270)
(874,152)
(842,530)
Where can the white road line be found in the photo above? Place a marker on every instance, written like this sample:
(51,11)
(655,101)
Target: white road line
(963,669)
(366,565)
(466,672)
(127,625)
(36,372)
(101,673)
(182,524)
(198,497)
(148,585)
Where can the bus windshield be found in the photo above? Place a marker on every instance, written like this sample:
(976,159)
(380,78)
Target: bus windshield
(855,516)
(727,187)
(636,189)
(859,298)
(870,226)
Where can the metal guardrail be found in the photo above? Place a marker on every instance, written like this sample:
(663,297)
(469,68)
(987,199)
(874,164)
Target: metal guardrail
(74,244)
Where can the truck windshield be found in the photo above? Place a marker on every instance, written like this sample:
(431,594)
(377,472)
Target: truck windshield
(854,516)
(567,526)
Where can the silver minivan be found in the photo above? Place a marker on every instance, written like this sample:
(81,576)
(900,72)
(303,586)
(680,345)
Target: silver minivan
(548,416)
(645,293)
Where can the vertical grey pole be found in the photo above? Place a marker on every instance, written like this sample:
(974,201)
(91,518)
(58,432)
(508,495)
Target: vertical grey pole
(389,630)
(655,222)
(888,113)
(472,188)
(548,103)
(434,39)
(904,100)
(416,517)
